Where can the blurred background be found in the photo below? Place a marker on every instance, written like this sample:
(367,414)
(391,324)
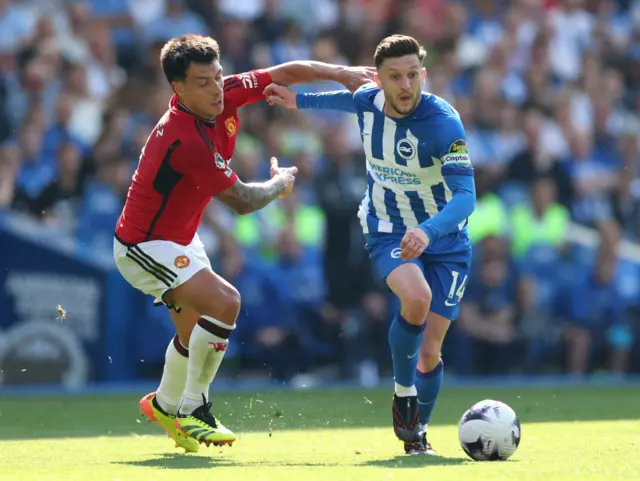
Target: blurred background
(549,93)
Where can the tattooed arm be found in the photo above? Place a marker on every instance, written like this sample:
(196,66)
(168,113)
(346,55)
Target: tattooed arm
(246,198)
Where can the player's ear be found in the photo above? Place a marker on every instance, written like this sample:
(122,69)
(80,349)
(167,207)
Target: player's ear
(178,87)
(377,79)
(424,74)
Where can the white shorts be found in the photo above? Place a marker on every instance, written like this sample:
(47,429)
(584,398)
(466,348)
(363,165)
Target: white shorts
(155,267)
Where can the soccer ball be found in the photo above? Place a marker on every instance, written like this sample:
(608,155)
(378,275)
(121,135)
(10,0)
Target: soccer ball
(489,431)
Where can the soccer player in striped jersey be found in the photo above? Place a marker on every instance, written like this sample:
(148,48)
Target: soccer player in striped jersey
(414,215)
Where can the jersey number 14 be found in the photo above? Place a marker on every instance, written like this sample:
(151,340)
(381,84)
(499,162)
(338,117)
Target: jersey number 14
(459,292)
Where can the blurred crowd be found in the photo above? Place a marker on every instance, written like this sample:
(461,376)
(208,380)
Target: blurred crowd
(549,93)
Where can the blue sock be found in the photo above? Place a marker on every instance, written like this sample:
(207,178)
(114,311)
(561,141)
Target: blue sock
(405,340)
(428,385)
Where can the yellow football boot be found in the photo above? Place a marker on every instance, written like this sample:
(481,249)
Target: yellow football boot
(202,426)
(153,413)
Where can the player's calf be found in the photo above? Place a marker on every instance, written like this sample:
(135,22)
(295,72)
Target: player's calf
(219,305)
(405,337)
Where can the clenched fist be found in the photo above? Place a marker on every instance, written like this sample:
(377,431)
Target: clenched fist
(413,244)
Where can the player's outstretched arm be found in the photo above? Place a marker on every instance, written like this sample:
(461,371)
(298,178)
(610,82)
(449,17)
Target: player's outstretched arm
(246,198)
(335,100)
(307,71)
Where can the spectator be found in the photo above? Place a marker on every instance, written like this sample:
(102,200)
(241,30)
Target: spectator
(598,324)
(543,222)
(495,298)
(267,335)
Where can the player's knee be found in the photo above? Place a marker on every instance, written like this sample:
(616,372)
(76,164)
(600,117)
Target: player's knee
(429,359)
(222,304)
(415,305)
(230,305)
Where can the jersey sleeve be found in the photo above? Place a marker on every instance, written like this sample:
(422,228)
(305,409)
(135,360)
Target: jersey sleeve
(452,148)
(363,98)
(246,88)
(336,100)
(206,169)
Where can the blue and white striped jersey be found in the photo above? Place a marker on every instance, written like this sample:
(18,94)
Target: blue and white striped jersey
(407,160)
(416,166)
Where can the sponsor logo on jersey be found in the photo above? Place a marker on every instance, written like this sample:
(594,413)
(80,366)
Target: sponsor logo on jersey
(181,262)
(394,174)
(406,149)
(220,163)
(458,147)
(249,80)
(230,125)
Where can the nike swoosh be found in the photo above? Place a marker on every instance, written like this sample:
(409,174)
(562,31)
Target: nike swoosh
(412,356)
(448,304)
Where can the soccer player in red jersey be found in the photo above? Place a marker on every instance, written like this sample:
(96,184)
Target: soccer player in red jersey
(185,163)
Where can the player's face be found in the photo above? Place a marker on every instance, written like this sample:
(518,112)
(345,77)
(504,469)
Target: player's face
(202,89)
(401,79)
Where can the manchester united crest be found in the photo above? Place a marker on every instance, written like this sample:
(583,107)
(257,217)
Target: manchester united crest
(181,262)
(230,124)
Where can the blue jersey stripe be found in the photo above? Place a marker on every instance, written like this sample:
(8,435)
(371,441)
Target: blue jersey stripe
(391,205)
(424,155)
(361,125)
(372,218)
(439,196)
(417,206)
(377,132)
(401,133)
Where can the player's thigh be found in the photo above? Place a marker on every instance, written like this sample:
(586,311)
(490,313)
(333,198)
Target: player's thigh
(408,283)
(448,281)
(184,320)
(178,276)
(405,279)
(152,267)
(209,294)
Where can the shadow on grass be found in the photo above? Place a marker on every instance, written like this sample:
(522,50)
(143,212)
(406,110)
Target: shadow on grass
(404,461)
(179,461)
(196,461)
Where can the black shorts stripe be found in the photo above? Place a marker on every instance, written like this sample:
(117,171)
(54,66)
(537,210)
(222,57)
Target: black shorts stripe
(162,268)
(144,265)
(149,268)
(169,277)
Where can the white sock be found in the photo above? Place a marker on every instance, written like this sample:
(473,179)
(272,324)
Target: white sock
(174,377)
(208,343)
(403,391)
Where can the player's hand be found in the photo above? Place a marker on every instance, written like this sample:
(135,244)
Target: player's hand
(286,175)
(355,77)
(413,244)
(279,95)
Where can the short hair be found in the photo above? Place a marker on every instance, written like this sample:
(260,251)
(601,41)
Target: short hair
(398,46)
(180,52)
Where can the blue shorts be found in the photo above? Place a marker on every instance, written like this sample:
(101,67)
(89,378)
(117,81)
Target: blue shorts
(445,272)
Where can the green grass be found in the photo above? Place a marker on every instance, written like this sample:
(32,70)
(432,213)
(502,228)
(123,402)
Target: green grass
(334,435)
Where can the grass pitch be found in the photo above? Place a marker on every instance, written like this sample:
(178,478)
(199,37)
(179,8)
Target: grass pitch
(334,435)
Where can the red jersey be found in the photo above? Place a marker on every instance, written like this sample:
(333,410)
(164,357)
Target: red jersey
(185,162)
